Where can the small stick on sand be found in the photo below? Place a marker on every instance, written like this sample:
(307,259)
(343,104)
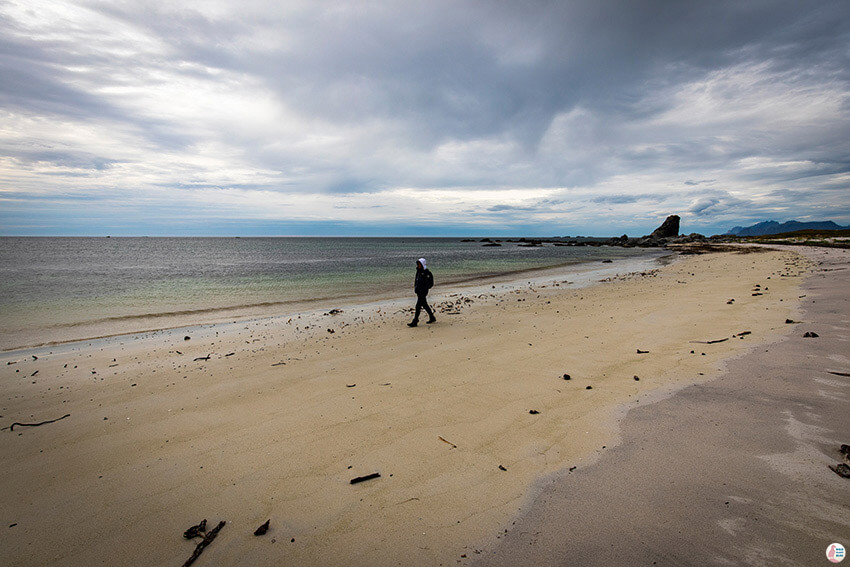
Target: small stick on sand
(364,478)
(447,441)
(207,357)
(12,427)
(710,342)
(208,538)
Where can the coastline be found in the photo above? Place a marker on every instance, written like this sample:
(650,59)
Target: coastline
(282,414)
(142,324)
(731,471)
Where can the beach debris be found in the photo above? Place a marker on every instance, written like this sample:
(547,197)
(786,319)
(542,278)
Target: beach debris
(711,342)
(262,529)
(810,334)
(533,412)
(34,357)
(743,334)
(642,351)
(350,385)
(207,357)
(755,294)
(607,261)
(444,440)
(186,338)
(572,468)
(12,427)
(34,373)
(278,364)
(196,530)
(637,379)
(334,312)
(839,374)
(208,538)
(790,321)
(589,388)
(841,470)
(365,478)
(731,301)
(502,468)
(13,525)
(229,354)
(331,331)
(567,377)
(845,450)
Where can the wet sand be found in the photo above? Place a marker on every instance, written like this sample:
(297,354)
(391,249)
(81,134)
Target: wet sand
(271,418)
(733,471)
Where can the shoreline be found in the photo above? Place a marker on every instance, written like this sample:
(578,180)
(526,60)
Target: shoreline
(752,489)
(182,320)
(271,418)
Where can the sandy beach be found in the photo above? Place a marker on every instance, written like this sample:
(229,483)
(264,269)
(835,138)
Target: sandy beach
(468,421)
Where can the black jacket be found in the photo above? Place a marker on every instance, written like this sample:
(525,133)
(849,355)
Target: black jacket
(423,282)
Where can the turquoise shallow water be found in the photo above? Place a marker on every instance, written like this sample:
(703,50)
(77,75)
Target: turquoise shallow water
(63,282)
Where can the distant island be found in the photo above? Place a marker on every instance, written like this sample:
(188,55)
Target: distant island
(773,227)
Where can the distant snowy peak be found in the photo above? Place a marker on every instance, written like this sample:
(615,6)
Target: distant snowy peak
(773,227)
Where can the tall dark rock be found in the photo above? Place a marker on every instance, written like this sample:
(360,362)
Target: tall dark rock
(669,228)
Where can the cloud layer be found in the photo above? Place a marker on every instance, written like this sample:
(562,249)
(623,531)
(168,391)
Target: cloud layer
(442,117)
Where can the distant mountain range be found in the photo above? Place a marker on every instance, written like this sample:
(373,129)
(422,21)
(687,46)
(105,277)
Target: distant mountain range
(773,227)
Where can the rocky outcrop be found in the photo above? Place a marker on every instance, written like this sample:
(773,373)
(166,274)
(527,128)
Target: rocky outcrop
(668,229)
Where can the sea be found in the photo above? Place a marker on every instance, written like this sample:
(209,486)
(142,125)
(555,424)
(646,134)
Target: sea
(61,288)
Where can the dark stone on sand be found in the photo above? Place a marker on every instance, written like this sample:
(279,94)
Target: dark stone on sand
(186,338)
(501,468)
(637,379)
(567,376)
(790,321)
(607,261)
(841,470)
(810,334)
(533,412)
(642,351)
(262,529)
(196,530)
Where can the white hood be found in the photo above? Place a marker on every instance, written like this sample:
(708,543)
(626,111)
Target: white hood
(422,261)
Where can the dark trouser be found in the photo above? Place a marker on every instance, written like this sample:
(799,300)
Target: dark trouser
(422,303)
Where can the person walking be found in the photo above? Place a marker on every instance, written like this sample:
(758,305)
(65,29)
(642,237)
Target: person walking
(421,284)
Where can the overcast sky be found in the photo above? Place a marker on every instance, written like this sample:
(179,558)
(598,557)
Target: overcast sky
(421,118)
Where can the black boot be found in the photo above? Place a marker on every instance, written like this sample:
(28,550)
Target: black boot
(431,320)
(413,323)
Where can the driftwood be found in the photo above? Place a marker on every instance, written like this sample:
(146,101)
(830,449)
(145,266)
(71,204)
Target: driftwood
(12,427)
(207,357)
(208,538)
(642,351)
(710,342)
(364,478)
(279,364)
(447,442)
(839,373)
(743,334)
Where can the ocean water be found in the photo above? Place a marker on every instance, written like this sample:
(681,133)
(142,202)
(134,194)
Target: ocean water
(49,284)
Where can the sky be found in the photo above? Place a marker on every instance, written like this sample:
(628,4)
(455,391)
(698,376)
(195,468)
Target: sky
(431,118)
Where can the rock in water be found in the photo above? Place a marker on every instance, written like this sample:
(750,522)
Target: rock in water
(669,228)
